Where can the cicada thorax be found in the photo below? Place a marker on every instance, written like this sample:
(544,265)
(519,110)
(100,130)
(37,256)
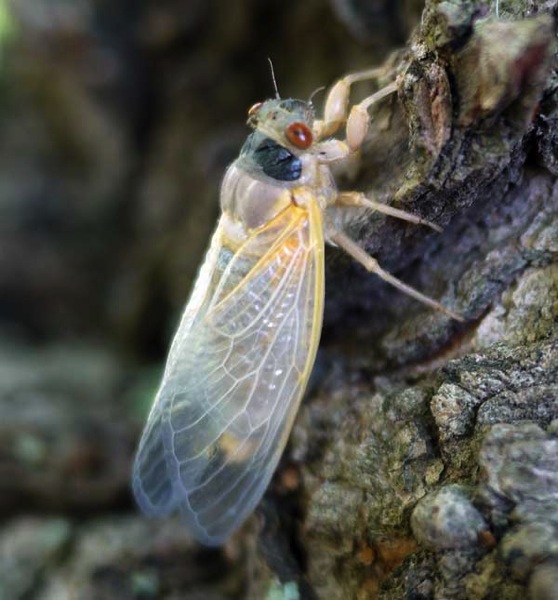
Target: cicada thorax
(273,162)
(251,199)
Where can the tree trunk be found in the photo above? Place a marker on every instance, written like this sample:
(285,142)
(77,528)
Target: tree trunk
(428,455)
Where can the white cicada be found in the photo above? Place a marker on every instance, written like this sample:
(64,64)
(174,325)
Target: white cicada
(245,347)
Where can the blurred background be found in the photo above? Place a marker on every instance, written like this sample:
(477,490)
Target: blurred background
(117,120)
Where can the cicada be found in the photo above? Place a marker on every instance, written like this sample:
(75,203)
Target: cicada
(245,346)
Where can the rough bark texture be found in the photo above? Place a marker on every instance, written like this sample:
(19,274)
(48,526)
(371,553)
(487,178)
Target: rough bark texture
(424,461)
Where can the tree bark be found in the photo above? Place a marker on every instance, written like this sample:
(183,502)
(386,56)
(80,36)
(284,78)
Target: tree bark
(428,455)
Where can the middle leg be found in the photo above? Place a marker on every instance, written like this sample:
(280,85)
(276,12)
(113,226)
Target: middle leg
(358,199)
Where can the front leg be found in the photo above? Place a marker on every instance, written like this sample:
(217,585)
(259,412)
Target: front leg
(336,110)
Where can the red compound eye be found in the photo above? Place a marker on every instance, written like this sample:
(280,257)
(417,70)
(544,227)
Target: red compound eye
(254,109)
(299,135)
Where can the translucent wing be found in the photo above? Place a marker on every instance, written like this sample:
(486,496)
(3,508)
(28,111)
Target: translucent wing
(236,372)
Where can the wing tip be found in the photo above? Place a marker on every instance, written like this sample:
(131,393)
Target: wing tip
(170,503)
(199,532)
(165,503)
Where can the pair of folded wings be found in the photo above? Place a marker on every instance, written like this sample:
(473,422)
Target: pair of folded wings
(235,375)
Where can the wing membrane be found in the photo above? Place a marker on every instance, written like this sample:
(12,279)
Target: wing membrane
(235,375)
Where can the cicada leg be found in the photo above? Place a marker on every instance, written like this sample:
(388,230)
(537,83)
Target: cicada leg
(371,265)
(337,112)
(358,199)
(357,123)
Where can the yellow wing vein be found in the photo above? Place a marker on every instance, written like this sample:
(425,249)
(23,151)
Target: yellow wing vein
(295,216)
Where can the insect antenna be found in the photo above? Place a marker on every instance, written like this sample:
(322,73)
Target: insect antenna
(273,79)
(315,92)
